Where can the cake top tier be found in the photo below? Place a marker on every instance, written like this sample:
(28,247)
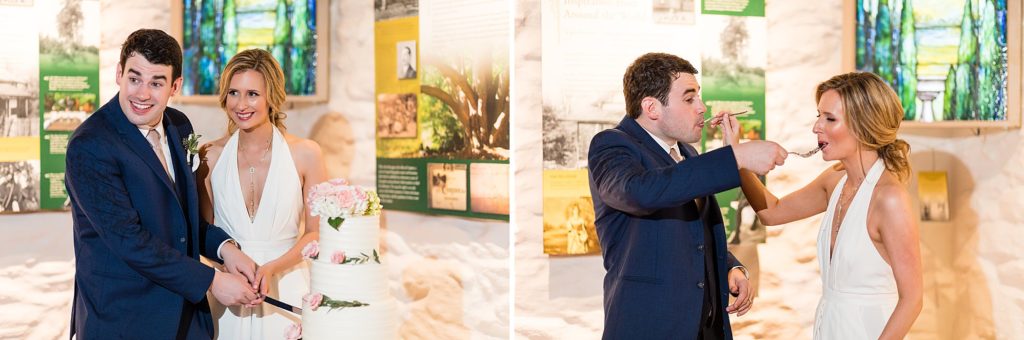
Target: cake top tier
(337,200)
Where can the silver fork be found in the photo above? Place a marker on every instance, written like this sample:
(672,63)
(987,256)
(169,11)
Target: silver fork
(730,115)
(806,154)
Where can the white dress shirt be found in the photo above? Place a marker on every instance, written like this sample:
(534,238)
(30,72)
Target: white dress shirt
(163,141)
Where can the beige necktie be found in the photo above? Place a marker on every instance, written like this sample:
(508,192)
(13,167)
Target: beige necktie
(674,153)
(154,140)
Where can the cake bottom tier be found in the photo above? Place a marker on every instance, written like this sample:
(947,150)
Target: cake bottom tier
(379,320)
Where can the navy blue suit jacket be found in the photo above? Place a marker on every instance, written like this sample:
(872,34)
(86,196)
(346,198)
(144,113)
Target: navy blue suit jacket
(137,234)
(652,234)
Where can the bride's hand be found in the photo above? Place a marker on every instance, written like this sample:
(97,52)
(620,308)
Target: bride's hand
(237,262)
(264,274)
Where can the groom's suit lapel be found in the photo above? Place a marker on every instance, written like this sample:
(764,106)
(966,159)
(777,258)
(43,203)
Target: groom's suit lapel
(181,174)
(631,127)
(131,137)
(187,195)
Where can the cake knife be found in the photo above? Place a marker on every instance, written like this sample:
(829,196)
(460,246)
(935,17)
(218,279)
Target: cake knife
(282,305)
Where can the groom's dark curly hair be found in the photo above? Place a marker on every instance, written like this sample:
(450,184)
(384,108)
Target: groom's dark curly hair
(156,46)
(652,75)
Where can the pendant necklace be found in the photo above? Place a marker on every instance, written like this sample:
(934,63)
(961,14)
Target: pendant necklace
(252,179)
(837,221)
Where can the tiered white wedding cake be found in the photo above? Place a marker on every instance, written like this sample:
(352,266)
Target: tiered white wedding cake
(349,296)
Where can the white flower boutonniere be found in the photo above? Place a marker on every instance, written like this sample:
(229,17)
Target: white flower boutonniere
(191,144)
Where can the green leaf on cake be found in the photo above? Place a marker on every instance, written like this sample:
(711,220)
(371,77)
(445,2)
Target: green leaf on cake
(363,258)
(376,258)
(335,222)
(332,304)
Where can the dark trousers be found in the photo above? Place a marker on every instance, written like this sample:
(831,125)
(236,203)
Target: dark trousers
(710,333)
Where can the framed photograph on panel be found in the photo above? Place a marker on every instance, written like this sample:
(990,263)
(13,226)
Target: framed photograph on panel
(213,31)
(954,63)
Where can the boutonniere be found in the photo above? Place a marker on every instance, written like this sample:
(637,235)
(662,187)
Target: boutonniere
(191,144)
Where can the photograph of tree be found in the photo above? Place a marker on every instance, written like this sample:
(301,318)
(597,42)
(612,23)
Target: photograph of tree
(465,106)
(946,59)
(214,31)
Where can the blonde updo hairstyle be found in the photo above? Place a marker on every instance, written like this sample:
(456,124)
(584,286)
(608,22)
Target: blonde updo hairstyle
(873,112)
(262,62)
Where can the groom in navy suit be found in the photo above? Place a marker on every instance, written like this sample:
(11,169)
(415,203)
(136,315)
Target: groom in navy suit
(661,232)
(137,232)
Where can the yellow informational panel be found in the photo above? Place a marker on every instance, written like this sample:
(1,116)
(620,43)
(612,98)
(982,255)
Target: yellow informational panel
(934,194)
(398,90)
(16,149)
(568,214)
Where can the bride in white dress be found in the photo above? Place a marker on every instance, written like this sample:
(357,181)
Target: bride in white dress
(252,184)
(868,244)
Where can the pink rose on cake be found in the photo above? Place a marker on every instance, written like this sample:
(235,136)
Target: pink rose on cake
(313,300)
(293,332)
(338,257)
(311,250)
(336,200)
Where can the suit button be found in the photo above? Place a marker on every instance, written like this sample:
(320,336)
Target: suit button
(700,248)
(700,285)
(182,240)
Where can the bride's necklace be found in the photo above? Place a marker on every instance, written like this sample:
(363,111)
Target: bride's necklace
(251,208)
(838,220)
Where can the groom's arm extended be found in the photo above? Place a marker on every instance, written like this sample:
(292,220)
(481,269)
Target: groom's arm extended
(95,181)
(625,184)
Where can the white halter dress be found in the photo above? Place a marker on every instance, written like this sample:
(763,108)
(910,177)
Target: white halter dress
(273,231)
(858,288)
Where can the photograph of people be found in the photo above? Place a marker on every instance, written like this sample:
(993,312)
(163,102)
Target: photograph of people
(396,115)
(407,59)
(576,231)
(19,186)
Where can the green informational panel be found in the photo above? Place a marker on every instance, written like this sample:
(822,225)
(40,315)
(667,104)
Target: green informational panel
(69,66)
(740,8)
(733,79)
(443,186)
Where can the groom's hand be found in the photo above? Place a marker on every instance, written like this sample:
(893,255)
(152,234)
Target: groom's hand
(759,156)
(232,290)
(740,287)
(236,262)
